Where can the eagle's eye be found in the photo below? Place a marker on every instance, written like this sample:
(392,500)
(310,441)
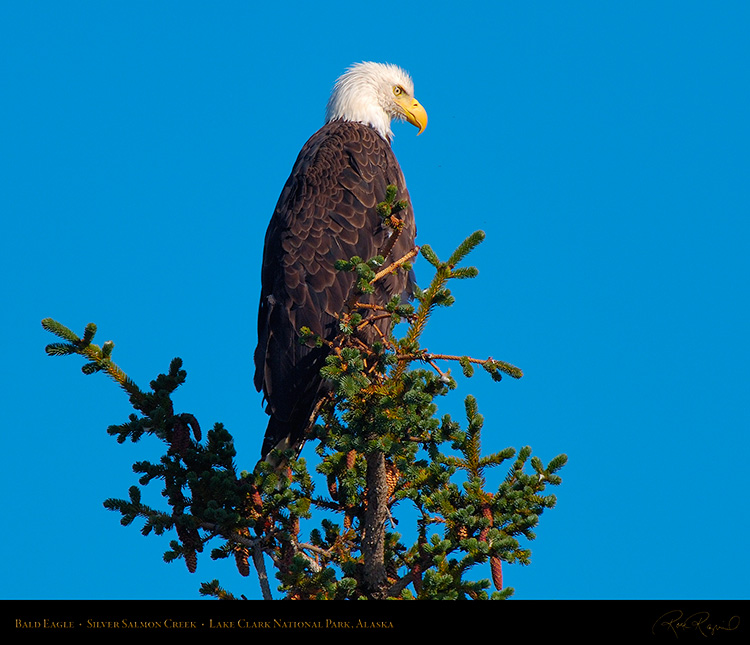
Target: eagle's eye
(397,91)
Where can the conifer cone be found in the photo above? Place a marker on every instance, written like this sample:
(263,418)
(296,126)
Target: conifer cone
(241,558)
(496,566)
(257,500)
(255,511)
(191,560)
(487,514)
(392,477)
(241,555)
(180,440)
(333,489)
(191,542)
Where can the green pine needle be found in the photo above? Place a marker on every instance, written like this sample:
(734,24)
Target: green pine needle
(466,247)
(429,255)
(59,330)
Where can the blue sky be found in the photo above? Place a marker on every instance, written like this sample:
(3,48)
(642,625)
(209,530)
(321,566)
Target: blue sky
(603,147)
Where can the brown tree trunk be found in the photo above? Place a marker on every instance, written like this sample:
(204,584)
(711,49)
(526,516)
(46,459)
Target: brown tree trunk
(376,512)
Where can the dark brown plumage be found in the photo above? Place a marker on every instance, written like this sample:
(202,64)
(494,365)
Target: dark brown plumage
(326,212)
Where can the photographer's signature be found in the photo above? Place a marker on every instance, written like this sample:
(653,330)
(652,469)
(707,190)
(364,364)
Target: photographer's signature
(677,623)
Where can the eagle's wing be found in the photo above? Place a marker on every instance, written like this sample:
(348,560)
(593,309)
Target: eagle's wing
(326,212)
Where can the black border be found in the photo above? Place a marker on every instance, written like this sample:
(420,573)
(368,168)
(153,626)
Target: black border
(585,621)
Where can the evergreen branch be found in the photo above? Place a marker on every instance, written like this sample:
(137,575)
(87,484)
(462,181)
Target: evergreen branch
(215,590)
(430,255)
(466,247)
(437,294)
(60,330)
(99,357)
(388,210)
(61,349)
(490,364)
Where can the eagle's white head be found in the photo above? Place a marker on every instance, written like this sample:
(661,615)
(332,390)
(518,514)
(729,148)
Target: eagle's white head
(374,94)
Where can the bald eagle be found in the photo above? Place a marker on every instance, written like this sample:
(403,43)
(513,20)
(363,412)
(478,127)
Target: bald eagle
(327,212)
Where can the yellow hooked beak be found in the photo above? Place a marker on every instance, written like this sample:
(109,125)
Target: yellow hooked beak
(413,111)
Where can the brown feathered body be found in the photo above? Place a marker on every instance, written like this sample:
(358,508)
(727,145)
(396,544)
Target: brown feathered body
(326,212)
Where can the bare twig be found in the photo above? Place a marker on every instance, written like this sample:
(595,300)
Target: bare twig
(427,357)
(395,265)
